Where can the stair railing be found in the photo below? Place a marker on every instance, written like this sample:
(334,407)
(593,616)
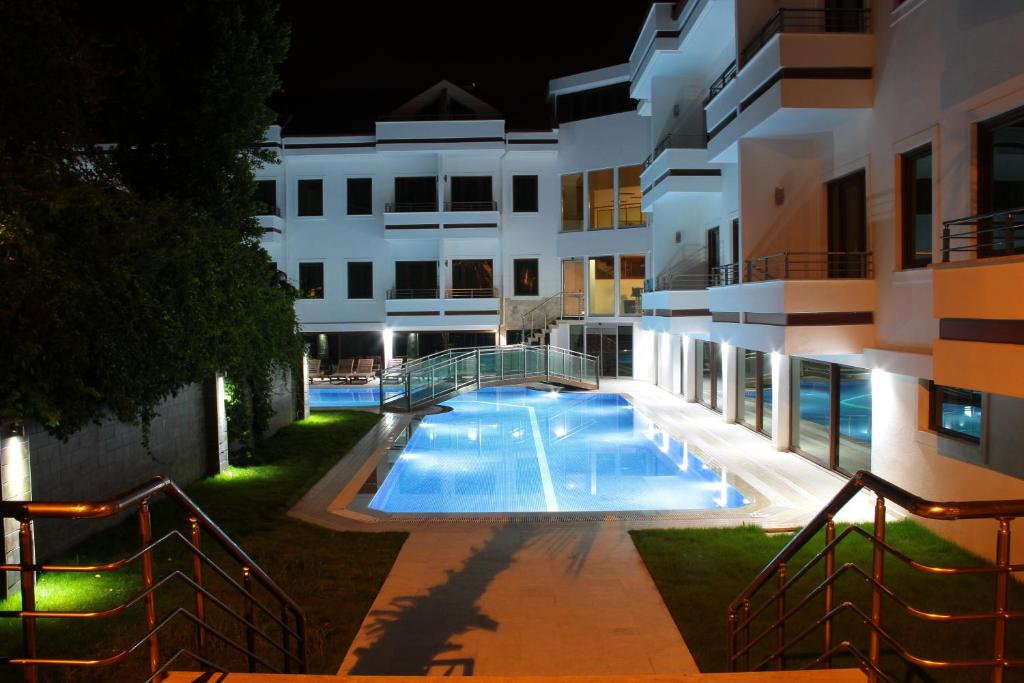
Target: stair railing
(776,641)
(278,627)
(561,305)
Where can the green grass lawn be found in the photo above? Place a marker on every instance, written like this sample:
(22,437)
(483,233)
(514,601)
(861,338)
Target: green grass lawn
(700,571)
(333,575)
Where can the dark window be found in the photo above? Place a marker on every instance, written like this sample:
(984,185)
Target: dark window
(709,375)
(524,193)
(311,198)
(415,280)
(360,280)
(266,197)
(1000,183)
(360,196)
(311,281)
(956,412)
(611,99)
(416,194)
(525,272)
(472,277)
(847,227)
(471,193)
(916,172)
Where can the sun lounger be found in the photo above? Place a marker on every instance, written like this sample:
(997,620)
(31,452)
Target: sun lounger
(343,372)
(363,372)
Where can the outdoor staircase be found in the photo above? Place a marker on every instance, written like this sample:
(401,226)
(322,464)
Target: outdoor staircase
(440,376)
(538,322)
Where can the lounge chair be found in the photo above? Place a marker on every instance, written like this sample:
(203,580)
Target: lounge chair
(343,371)
(363,372)
(315,370)
(389,377)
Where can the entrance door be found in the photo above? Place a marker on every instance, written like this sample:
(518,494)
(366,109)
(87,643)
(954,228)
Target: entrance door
(714,260)
(601,342)
(572,286)
(847,226)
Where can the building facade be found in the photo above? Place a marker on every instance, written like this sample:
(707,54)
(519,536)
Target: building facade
(799,214)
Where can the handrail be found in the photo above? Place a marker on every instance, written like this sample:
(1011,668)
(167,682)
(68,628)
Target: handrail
(808,20)
(540,312)
(718,85)
(421,293)
(411,207)
(471,293)
(742,613)
(809,265)
(997,233)
(483,205)
(140,498)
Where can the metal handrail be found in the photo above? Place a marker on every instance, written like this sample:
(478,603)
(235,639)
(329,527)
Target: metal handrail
(471,293)
(997,233)
(809,265)
(423,293)
(411,207)
(484,205)
(718,85)
(546,317)
(808,20)
(140,498)
(742,612)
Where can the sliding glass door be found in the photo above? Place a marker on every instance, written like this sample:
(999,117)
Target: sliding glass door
(831,414)
(754,390)
(710,388)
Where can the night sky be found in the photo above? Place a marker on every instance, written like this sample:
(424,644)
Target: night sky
(352,62)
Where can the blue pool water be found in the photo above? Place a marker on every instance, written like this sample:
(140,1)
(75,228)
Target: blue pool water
(346,397)
(512,449)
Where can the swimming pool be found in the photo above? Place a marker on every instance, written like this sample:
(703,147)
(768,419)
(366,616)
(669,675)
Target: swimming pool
(513,449)
(347,397)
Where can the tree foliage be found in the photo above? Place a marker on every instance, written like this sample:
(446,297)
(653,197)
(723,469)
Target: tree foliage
(130,265)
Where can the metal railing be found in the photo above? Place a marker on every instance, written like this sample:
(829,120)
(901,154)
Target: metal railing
(718,85)
(808,20)
(716,276)
(424,293)
(753,648)
(410,207)
(416,385)
(809,265)
(560,306)
(486,205)
(471,293)
(999,233)
(267,210)
(267,631)
(677,140)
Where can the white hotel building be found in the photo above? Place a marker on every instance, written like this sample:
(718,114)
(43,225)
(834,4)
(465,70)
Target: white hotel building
(751,213)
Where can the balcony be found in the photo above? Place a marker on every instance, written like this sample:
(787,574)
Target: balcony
(458,308)
(798,303)
(677,301)
(273,227)
(430,219)
(679,165)
(981,318)
(805,71)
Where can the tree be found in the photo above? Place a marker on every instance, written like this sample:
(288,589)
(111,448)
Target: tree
(130,265)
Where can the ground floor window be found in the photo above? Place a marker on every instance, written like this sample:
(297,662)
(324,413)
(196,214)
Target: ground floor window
(754,390)
(613,346)
(419,344)
(956,412)
(831,414)
(710,388)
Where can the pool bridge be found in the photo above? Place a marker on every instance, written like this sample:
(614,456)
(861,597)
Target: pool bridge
(440,376)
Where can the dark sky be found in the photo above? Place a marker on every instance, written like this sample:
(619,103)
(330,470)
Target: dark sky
(351,62)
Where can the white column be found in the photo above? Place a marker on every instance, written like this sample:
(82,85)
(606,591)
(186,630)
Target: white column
(781,388)
(388,343)
(16,484)
(221,416)
(729,378)
(675,362)
(689,365)
(304,378)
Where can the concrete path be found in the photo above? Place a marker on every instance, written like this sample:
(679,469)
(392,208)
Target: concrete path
(519,600)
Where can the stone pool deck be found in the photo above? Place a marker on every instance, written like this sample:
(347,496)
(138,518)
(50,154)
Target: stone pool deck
(494,596)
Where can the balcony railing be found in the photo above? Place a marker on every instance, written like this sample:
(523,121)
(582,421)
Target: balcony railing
(717,276)
(471,293)
(423,293)
(719,83)
(486,205)
(410,207)
(802,20)
(809,265)
(267,210)
(677,141)
(1000,233)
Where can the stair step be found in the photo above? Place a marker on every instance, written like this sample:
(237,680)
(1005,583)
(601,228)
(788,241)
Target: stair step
(816,676)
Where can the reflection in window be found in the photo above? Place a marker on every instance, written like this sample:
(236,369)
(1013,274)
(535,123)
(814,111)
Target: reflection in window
(746,379)
(311,280)
(709,377)
(525,275)
(854,444)
(625,351)
(812,410)
(601,199)
(824,390)
(916,169)
(572,202)
(957,412)
(631,284)
(630,214)
(601,285)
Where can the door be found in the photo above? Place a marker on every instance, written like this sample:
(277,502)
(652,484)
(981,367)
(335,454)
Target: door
(601,342)
(572,286)
(472,278)
(847,226)
(844,16)
(714,260)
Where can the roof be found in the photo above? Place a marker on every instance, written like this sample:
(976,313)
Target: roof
(444,101)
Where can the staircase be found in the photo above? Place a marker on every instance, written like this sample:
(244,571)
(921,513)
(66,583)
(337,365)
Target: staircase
(440,376)
(538,322)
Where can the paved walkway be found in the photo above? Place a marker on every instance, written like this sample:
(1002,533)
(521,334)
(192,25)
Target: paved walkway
(569,598)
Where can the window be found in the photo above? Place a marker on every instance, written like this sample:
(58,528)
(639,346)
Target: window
(416,194)
(631,284)
(916,172)
(572,202)
(847,226)
(311,198)
(956,412)
(709,375)
(472,193)
(524,193)
(360,196)
(754,390)
(831,414)
(266,197)
(525,274)
(360,279)
(415,280)
(311,280)
(630,214)
(601,199)
(601,285)
(472,278)
(1000,182)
